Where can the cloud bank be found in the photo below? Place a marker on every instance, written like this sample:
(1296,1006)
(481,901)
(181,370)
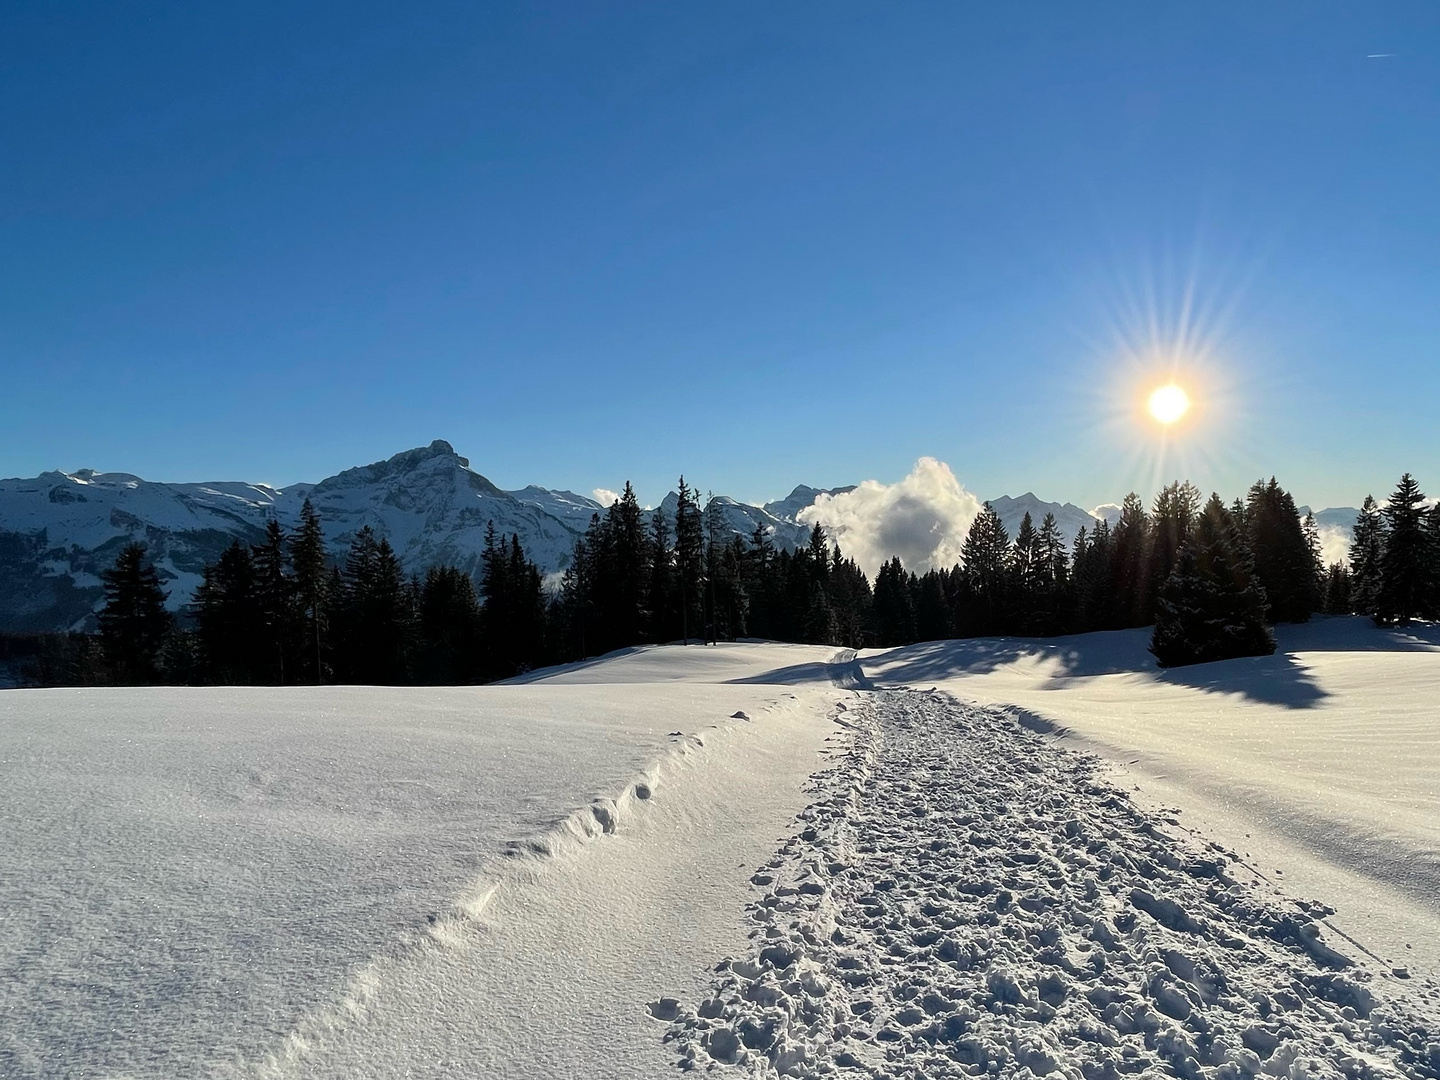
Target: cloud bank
(923,519)
(605,497)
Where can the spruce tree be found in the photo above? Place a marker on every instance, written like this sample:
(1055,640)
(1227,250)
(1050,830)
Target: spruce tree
(229,620)
(1052,604)
(689,551)
(133,621)
(1337,590)
(313,581)
(1131,544)
(894,607)
(1320,573)
(1211,607)
(1405,567)
(985,558)
(1367,552)
(1283,563)
(276,598)
(449,628)
(1027,572)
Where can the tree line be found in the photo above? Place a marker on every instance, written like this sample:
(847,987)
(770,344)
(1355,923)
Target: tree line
(1211,579)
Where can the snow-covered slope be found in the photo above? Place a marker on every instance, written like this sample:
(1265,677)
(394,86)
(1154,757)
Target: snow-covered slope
(574,510)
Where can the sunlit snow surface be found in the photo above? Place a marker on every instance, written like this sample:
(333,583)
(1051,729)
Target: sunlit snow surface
(1322,761)
(188,873)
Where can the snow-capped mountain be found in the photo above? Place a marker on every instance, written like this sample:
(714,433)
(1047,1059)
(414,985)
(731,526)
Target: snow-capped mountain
(1069,517)
(59,530)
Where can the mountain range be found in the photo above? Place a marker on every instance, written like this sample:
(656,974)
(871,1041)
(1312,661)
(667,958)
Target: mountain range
(59,530)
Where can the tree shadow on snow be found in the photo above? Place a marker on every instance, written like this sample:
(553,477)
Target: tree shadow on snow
(1280,679)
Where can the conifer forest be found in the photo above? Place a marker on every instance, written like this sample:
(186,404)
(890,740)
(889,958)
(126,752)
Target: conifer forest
(1210,577)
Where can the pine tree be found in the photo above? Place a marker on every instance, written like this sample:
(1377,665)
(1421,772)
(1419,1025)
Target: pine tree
(449,628)
(1337,590)
(1320,573)
(1405,567)
(1283,563)
(133,622)
(660,583)
(1027,573)
(1052,605)
(1172,517)
(1367,552)
(1131,545)
(689,549)
(894,609)
(276,599)
(985,561)
(1211,607)
(932,608)
(229,620)
(312,589)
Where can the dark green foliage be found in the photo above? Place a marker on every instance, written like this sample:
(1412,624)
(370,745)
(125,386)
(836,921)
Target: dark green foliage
(230,627)
(1406,566)
(1130,559)
(982,600)
(1337,590)
(376,616)
(1284,565)
(133,622)
(1367,551)
(689,566)
(1211,607)
(278,603)
(313,591)
(448,649)
(894,606)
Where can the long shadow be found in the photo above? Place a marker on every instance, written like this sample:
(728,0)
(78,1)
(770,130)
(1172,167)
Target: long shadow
(1273,680)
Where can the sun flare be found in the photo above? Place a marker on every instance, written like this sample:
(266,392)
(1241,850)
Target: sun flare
(1169,403)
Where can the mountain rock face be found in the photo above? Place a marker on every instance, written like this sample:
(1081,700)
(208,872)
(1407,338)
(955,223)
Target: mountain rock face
(58,530)
(1068,516)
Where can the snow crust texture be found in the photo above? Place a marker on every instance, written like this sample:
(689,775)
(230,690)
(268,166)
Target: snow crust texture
(965,898)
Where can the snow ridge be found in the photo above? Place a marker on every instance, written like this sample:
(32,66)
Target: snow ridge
(966,899)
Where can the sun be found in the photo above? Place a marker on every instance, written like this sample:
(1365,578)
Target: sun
(1169,403)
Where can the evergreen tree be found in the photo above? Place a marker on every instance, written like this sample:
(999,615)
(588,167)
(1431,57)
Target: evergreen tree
(1337,590)
(1131,546)
(1283,563)
(377,616)
(985,558)
(1027,572)
(689,550)
(1320,573)
(1405,566)
(894,608)
(276,599)
(313,581)
(1367,552)
(932,608)
(660,601)
(449,628)
(1052,604)
(1090,574)
(1211,607)
(133,622)
(1172,517)
(229,620)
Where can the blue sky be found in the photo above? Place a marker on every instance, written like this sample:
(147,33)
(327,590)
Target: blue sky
(762,244)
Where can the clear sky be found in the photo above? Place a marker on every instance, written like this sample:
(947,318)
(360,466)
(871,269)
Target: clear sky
(760,243)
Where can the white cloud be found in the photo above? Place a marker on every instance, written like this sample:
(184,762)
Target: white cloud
(604,496)
(923,519)
(1334,543)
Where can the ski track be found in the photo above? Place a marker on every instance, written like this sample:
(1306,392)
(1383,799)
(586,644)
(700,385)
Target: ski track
(965,898)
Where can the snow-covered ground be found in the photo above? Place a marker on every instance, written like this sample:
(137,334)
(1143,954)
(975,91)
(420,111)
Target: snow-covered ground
(1321,763)
(751,858)
(196,882)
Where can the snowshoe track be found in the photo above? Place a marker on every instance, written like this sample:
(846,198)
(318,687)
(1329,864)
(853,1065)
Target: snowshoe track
(965,898)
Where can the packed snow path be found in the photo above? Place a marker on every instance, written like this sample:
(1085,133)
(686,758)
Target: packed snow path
(967,899)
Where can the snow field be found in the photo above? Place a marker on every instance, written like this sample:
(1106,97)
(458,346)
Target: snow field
(194,878)
(965,898)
